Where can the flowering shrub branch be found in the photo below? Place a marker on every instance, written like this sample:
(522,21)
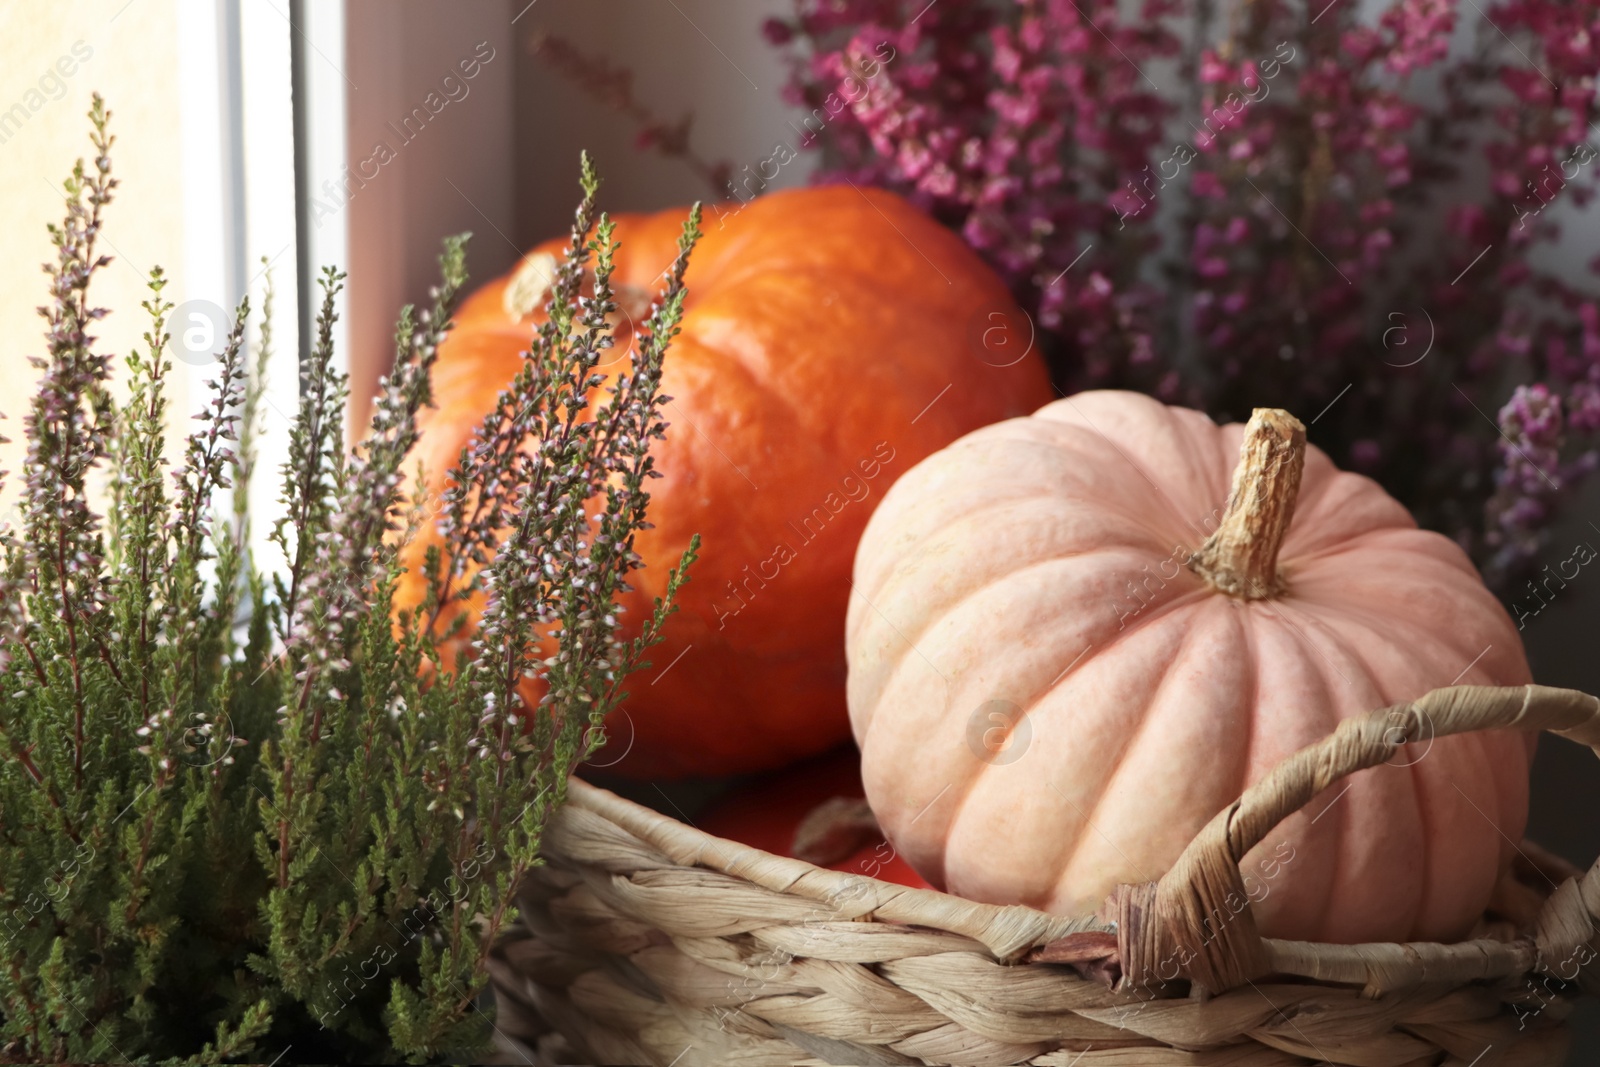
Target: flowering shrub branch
(612,85)
(239,815)
(1289,209)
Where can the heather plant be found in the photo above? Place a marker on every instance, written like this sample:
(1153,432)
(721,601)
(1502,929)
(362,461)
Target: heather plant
(254,816)
(1264,204)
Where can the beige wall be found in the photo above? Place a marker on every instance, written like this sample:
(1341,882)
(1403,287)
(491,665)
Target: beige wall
(421,181)
(515,161)
(132,59)
(702,56)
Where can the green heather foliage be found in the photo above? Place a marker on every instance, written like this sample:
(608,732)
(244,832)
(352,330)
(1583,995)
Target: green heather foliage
(235,820)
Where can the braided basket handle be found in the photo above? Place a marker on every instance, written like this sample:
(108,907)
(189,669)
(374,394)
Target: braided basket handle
(1173,923)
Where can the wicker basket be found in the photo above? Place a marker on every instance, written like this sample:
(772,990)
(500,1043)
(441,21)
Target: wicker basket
(647,941)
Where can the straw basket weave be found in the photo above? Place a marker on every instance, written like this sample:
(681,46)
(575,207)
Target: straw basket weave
(647,941)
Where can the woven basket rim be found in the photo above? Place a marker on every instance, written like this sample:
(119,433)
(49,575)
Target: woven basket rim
(1148,925)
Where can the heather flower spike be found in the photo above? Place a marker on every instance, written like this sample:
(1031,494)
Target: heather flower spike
(248,812)
(1242,205)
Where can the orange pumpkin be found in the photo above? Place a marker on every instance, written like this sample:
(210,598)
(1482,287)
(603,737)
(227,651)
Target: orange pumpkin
(1074,645)
(831,338)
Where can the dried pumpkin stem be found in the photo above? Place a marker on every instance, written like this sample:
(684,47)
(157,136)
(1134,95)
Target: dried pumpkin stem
(1241,557)
(834,830)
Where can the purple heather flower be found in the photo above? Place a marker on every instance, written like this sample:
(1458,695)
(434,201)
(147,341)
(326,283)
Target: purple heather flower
(1294,226)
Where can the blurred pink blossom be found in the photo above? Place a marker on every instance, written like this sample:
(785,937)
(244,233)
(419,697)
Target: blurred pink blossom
(1260,204)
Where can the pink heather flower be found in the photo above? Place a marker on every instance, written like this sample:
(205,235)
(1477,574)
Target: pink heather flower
(1361,43)
(1583,403)
(1421,30)
(1531,426)
(1292,228)
(777,32)
(1213,71)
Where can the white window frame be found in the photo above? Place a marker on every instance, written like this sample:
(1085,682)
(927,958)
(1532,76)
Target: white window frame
(271,116)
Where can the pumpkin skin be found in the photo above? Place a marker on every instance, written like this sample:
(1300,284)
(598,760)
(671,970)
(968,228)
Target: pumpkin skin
(768,813)
(1040,563)
(830,339)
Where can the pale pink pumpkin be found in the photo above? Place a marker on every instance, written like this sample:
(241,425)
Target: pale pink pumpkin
(1050,701)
